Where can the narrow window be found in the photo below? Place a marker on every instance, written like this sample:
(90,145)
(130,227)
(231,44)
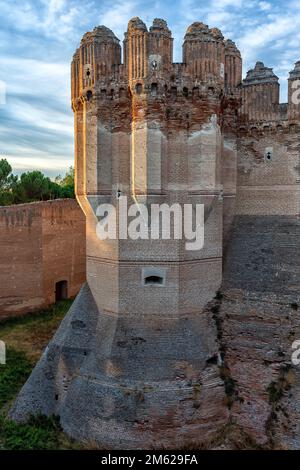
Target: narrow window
(269,154)
(139,88)
(185,92)
(154,89)
(153,276)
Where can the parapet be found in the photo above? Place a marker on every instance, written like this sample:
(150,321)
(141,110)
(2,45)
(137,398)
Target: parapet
(260,94)
(148,60)
(136,24)
(295,73)
(294,93)
(233,67)
(259,75)
(160,25)
(101,33)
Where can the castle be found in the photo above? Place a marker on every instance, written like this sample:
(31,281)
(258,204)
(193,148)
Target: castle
(137,360)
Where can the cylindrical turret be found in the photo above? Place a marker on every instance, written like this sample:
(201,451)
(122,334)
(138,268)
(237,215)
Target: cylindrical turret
(260,94)
(98,53)
(294,92)
(204,53)
(136,50)
(75,77)
(160,47)
(233,66)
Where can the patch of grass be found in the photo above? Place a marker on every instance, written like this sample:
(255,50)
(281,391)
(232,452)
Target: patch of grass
(32,332)
(25,338)
(219,295)
(39,433)
(225,374)
(286,379)
(275,392)
(230,386)
(13,375)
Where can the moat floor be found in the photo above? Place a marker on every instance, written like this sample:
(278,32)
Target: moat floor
(25,340)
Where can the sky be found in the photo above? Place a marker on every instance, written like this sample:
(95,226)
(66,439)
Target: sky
(39,37)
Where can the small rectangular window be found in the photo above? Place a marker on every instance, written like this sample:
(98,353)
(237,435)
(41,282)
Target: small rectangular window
(153,276)
(153,280)
(268,154)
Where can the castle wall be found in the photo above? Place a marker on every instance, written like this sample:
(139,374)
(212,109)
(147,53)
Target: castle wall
(268,171)
(42,243)
(261,284)
(21,259)
(63,247)
(260,322)
(139,364)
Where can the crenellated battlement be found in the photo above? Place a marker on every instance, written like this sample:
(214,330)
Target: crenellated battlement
(136,363)
(209,65)
(260,103)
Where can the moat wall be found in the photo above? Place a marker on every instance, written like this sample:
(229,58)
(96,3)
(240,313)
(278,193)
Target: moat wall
(259,314)
(42,243)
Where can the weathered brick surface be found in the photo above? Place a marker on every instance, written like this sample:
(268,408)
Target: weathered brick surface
(42,243)
(260,322)
(137,366)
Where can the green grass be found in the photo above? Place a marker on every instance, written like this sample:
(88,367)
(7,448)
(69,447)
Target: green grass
(31,333)
(13,375)
(25,338)
(40,433)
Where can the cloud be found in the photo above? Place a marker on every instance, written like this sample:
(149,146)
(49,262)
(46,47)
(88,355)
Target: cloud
(117,17)
(265,6)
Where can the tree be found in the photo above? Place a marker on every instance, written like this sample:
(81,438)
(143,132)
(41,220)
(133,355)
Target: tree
(33,186)
(7,179)
(67,184)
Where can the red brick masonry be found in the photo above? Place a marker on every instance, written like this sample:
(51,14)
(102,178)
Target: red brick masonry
(41,244)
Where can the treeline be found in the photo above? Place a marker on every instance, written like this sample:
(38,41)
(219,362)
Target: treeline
(32,186)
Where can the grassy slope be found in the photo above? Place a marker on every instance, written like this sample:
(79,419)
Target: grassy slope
(25,339)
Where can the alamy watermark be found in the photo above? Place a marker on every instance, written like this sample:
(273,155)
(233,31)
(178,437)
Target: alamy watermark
(161,222)
(296,353)
(2,353)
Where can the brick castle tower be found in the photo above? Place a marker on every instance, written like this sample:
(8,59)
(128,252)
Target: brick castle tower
(145,358)
(134,363)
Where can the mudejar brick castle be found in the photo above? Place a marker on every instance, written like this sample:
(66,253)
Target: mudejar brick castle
(146,355)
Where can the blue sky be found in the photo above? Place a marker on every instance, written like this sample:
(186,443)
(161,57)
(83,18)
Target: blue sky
(38,38)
